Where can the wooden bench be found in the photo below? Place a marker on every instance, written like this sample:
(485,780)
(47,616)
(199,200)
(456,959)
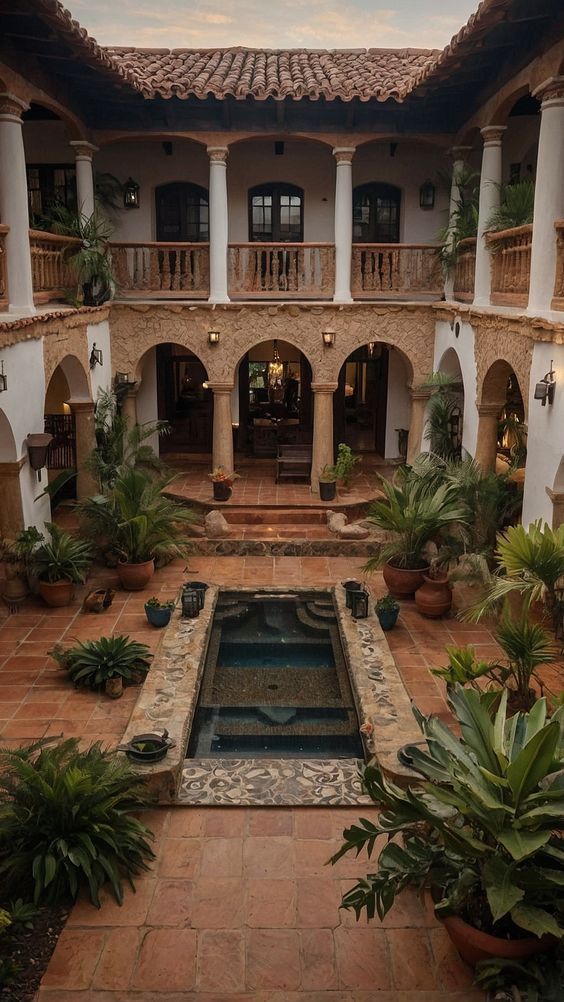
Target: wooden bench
(293,461)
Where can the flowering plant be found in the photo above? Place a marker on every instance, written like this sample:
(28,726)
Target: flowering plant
(221,476)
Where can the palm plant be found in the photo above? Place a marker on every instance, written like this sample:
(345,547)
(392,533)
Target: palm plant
(464,220)
(443,403)
(92,662)
(61,557)
(66,821)
(517,203)
(92,262)
(527,645)
(118,446)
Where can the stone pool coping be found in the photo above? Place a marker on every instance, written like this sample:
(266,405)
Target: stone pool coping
(170,692)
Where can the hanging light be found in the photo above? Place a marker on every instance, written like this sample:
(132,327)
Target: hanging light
(122,378)
(3,378)
(328,336)
(545,389)
(131,194)
(427,195)
(96,357)
(276,367)
(213,336)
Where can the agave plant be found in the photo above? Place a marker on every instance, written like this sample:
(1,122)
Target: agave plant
(92,662)
(66,821)
(484,830)
(61,557)
(120,447)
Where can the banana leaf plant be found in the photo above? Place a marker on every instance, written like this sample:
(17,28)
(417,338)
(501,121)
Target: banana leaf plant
(485,829)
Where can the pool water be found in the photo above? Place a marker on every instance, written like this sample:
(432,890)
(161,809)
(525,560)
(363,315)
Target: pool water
(275,681)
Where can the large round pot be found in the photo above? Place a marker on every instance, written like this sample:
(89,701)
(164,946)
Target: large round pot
(135,577)
(402,581)
(221,490)
(56,593)
(474,945)
(327,490)
(434,598)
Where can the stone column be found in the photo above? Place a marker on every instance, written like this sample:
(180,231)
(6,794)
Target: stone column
(219,220)
(128,406)
(549,195)
(490,180)
(11,510)
(222,454)
(84,152)
(419,399)
(85,443)
(323,452)
(486,445)
(343,223)
(13,205)
(459,155)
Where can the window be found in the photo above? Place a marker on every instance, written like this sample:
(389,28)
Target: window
(276,213)
(376,214)
(48,185)
(182,212)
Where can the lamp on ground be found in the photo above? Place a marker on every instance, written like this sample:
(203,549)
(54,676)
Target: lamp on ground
(213,336)
(427,195)
(37,446)
(328,336)
(96,357)
(545,388)
(359,604)
(190,603)
(131,194)
(3,378)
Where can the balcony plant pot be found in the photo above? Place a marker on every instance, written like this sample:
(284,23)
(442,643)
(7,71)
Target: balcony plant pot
(135,577)
(56,593)
(222,490)
(434,598)
(113,687)
(158,617)
(327,490)
(474,945)
(403,582)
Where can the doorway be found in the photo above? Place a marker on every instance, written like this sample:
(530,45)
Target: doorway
(361,400)
(184,400)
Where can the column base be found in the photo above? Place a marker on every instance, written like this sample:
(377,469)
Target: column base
(218,299)
(22,311)
(481,303)
(342,299)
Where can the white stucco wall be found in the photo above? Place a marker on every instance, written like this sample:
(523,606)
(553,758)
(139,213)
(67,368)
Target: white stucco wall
(545,442)
(463,345)
(520,144)
(398,405)
(100,375)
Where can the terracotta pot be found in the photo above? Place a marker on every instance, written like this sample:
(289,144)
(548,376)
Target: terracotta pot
(474,945)
(114,687)
(402,581)
(56,594)
(15,591)
(135,577)
(222,490)
(434,597)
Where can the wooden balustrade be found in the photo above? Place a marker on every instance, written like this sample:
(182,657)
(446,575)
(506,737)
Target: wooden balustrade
(381,271)
(50,271)
(558,301)
(3,274)
(511,265)
(161,269)
(287,270)
(464,270)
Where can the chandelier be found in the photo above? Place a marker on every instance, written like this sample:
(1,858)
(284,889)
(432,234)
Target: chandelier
(276,367)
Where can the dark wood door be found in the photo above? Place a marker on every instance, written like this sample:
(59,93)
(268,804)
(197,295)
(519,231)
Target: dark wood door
(182,213)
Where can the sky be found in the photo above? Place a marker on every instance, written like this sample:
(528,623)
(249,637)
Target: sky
(282,24)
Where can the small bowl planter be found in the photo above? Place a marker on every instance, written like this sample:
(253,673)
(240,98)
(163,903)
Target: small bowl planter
(159,613)
(222,482)
(148,748)
(135,577)
(387,610)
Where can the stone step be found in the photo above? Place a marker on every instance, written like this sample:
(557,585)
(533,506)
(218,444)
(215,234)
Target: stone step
(321,610)
(258,516)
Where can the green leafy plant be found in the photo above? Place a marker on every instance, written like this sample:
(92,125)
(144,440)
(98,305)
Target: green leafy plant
(516,208)
(387,604)
(119,447)
(92,662)
(66,821)
(154,603)
(22,913)
(463,668)
(463,222)
(484,831)
(92,261)
(61,557)
(444,401)
(346,462)
(328,474)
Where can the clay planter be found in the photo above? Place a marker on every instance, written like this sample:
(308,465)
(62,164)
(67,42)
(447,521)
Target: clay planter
(434,598)
(474,945)
(135,577)
(222,490)
(57,593)
(114,687)
(403,582)
(327,490)
(158,617)
(15,591)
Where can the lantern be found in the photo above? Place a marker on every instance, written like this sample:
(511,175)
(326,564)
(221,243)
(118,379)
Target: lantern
(427,195)
(200,587)
(3,379)
(213,336)
(190,603)
(37,446)
(349,587)
(359,604)
(131,194)
(544,390)
(96,357)
(328,336)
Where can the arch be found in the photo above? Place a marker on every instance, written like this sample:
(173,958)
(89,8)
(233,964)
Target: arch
(469,137)
(75,128)
(276,212)
(8,451)
(174,388)
(378,338)
(182,212)
(558,485)
(372,401)
(493,390)
(376,213)
(278,137)
(103,140)
(282,338)
(500,113)
(76,377)
(437,143)
(450,363)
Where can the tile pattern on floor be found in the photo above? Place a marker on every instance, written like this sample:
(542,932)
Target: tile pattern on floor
(272,782)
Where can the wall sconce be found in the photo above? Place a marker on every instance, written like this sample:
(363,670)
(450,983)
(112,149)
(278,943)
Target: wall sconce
(544,390)
(328,336)
(96,357)
(131,194)
(122,378)
(37,446)
(213,336)
(3,378)
(427,195)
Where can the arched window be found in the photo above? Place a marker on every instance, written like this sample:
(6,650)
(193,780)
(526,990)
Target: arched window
(182,212)
(276,213)
(376,214)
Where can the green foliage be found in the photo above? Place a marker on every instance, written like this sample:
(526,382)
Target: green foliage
(387,604)
(444,400)
(484,830)
(66,821)
(463,667)
(22,913)
(154,603)
(464,220)
(61,557)
(328,474)
(136,519)
(517,203)
(346,462)
(119,447)
(92,662)
(536,980)
(92,261)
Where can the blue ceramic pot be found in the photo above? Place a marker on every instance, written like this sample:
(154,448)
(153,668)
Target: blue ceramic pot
(158,617)
(388,618)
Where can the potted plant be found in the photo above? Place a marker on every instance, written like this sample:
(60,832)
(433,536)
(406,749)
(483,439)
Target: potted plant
(416,510)
(344,467)
(327,483)
(484,833)
(15,586)
(60,562)
(222,482)
(434,597)
(159,613)
(387,610)
(89,257)
(139,523)
(108,663)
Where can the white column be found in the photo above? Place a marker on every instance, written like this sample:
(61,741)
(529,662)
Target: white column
(458,154)
(14,206)
(222,426)
(323,453)
(343,223)
(84,176)
(549,195)
(218,224)
(490,180)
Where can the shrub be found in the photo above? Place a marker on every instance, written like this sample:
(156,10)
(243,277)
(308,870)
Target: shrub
(62,557)
(92,662)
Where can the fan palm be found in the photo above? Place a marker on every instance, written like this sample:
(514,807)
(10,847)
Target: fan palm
(516,206)
(118,446)
(92,261)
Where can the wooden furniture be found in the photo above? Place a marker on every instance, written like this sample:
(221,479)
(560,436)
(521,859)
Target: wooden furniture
(293,461)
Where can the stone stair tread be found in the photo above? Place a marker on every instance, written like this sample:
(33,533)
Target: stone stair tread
(321,611)
(306,620)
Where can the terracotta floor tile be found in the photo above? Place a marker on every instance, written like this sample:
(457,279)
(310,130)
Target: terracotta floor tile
(319,967)
(171,904)
(186,821)
(318,901)
(222,857)
(180,857)
(270,821)
(273,959)
(224,821)
(221,961)
(118,959)
(270,903)
(218,903)
(132,912)
(75,958)
(269,856)
(167,961)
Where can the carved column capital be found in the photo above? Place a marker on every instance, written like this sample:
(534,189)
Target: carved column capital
(324,387)
(551,90)
(344,154)
(12,108)
(82,149)
(220,387)
(420,393)
(218,154)
(493,134)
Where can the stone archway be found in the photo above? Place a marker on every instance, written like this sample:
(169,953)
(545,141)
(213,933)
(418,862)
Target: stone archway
(69,418)
(501,405)
(173,386)
(451,367)
(11,510)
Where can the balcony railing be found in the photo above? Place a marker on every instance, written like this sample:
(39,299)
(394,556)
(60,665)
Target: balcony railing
(51,273)
(3,277)
(511,265)
(464,270)
(162,269)
(383,270)
(281,270)
(558,301)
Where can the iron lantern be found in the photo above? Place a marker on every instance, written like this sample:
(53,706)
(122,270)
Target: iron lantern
(545,388)
(190,603)
(359,604)
(328,336)
(427,195)
(131,194)
(96,357)
(3,378)
(213,336)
